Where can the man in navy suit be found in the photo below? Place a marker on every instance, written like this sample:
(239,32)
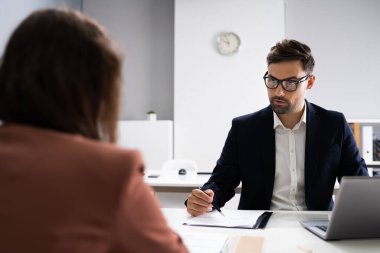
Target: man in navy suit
(288,155)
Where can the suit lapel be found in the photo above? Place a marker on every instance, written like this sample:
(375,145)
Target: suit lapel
(311,146)
(268,149)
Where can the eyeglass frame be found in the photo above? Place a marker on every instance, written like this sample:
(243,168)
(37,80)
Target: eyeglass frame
(297,81)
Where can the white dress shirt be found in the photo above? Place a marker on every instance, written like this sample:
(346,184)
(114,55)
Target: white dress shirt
(289,181)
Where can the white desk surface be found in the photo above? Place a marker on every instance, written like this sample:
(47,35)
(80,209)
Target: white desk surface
(282,234)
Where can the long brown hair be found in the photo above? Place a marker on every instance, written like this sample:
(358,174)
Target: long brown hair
(60,71)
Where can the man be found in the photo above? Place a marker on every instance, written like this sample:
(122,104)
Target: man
(288,155)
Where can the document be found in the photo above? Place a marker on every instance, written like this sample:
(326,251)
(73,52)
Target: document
(232,219)
(205,242)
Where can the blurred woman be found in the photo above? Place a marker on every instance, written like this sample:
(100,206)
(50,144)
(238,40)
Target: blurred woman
(64,187)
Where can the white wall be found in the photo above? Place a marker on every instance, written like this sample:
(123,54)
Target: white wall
(344,36)
(14,11)
(211,89)
(144,30)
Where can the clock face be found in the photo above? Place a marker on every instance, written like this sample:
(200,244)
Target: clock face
(228,43)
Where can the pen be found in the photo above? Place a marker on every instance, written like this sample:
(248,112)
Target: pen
(214,206)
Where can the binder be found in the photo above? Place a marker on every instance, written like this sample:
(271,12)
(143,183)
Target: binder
(376,149)
(355,128)
(367,142)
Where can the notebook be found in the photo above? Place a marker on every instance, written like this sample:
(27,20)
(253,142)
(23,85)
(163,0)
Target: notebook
(356,213)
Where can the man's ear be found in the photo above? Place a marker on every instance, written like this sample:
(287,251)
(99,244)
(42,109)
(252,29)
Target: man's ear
(310,81)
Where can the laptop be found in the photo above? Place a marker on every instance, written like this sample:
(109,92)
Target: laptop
(356,213)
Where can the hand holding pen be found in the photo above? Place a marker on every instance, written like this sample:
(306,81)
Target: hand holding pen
(214,206)
(200,202)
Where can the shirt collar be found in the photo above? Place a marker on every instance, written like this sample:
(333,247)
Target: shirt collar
(277,122)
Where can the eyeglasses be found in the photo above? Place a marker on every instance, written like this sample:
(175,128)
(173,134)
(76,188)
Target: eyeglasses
(287,84)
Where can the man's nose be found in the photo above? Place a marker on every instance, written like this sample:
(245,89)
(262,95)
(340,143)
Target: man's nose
(280,91)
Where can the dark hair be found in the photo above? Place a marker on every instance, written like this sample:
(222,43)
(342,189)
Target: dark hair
(290,50)
(60,71)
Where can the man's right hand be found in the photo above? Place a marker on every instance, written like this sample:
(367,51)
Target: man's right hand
(199,202)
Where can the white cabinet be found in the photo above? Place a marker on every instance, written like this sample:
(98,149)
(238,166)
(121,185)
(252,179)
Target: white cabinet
(154,138)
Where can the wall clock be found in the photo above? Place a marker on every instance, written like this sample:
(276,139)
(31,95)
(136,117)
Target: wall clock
(228,43)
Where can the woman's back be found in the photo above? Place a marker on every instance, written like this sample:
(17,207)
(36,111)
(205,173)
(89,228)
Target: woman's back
(65,193)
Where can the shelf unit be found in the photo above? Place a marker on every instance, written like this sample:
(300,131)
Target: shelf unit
(367,135)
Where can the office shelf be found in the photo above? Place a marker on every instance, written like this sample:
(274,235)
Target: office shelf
(367,135)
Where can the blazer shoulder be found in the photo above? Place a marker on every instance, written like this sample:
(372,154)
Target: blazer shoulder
(113,155)
(324,113)
(78,151)
(263,114)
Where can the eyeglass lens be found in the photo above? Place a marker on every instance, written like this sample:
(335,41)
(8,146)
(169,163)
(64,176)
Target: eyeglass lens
(288,85)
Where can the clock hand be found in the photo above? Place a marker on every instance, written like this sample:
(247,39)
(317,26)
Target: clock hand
(225,40)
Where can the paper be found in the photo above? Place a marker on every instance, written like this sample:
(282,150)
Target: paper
(232,219)
(204,242)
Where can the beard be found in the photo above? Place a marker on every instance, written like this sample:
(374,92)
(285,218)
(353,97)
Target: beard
(281,105)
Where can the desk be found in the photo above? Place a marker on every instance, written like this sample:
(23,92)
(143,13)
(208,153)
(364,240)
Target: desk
(178,183)
(173,190)
(282,234)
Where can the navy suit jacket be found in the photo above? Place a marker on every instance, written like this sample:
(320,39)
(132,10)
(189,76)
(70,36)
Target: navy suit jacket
(248,157)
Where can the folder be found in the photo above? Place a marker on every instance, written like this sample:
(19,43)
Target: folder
(241,219)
